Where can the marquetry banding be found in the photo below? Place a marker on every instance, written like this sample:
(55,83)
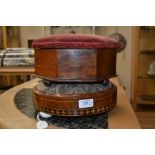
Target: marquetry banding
(68,104)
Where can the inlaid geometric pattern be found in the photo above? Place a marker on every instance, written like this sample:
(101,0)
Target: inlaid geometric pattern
(79,112)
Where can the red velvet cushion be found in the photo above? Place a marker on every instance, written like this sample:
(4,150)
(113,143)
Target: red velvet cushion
(75,41)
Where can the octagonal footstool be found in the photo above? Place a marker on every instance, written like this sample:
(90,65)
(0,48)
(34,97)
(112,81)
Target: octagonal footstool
(75,71)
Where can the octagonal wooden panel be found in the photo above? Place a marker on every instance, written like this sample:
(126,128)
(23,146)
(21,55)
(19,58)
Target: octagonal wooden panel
(75,65)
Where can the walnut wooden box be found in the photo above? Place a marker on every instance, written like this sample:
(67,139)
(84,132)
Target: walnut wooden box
(75,58)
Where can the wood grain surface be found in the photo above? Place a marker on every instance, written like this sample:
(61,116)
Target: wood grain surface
(75,65)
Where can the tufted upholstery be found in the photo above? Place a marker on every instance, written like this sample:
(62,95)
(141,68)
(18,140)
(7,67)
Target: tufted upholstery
(75,41)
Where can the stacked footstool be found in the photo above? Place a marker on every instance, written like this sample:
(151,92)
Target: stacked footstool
(75,71)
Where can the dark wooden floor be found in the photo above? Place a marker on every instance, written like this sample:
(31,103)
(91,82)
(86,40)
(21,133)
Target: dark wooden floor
(146,116)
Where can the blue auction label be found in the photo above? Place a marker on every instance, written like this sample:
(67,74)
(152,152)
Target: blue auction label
(86,103)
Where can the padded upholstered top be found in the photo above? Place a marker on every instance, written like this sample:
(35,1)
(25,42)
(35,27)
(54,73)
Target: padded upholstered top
(75,41)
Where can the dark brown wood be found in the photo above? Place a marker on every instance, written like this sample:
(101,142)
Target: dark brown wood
(67,105)
(80,65)
(76,63)
(106,63)
(45,63)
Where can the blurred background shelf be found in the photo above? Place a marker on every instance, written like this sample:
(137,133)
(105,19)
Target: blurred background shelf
(144,99)
(13,76)
(144,56)
(147,52)
(9,36)
(146,76)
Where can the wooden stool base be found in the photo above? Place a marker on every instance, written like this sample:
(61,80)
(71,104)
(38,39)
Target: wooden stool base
(68,104)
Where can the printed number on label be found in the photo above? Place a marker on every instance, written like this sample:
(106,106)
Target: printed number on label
(86,103)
